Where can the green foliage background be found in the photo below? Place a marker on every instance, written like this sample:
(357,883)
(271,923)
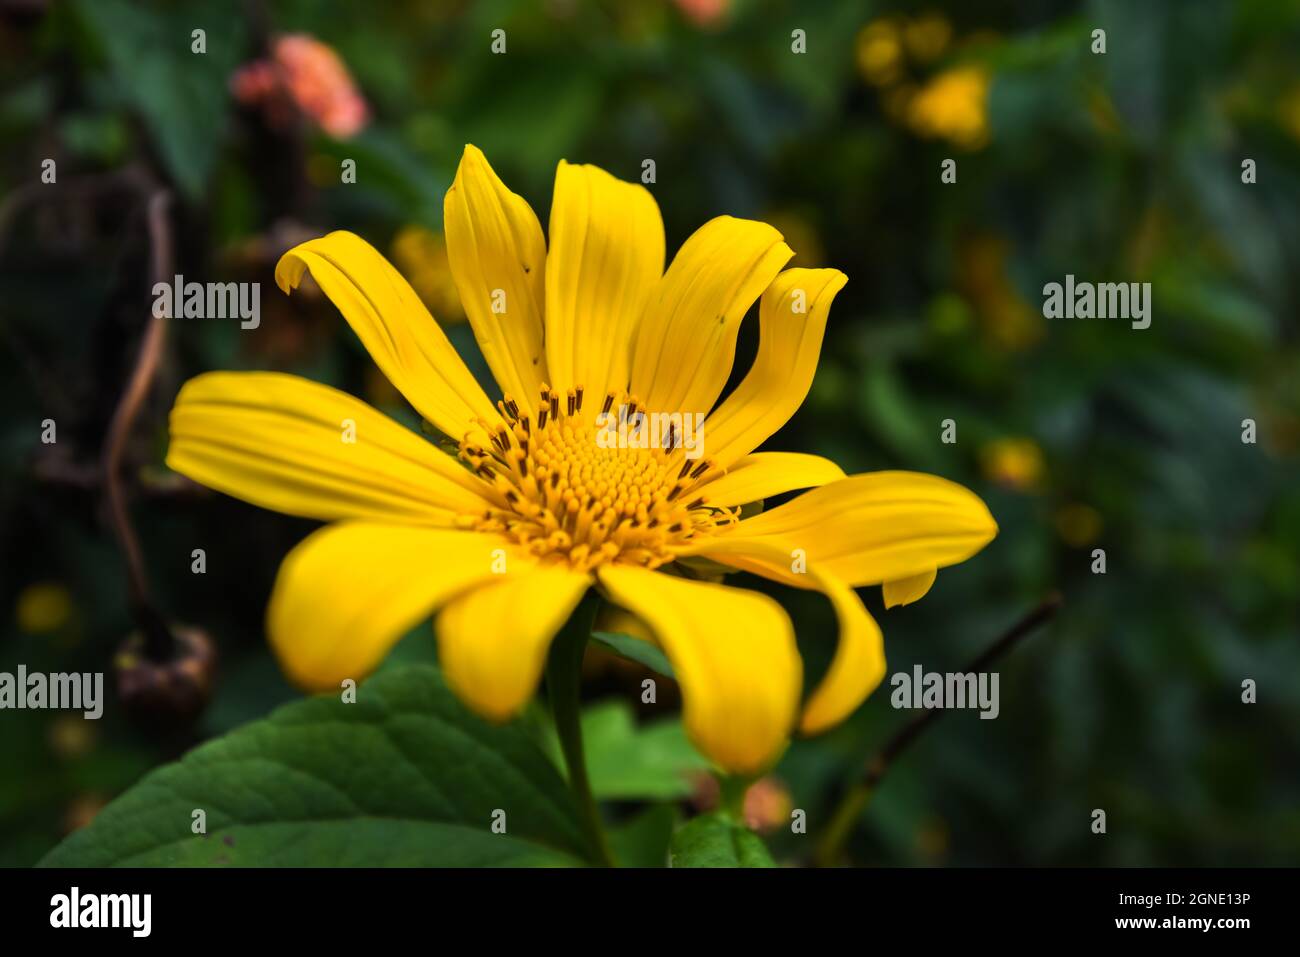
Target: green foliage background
(1117,167)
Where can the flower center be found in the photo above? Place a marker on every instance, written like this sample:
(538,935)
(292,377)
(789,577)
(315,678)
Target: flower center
(560,488)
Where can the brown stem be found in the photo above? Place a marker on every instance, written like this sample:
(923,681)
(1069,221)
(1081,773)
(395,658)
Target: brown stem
(857,796)
(896,745)
(158,638)
(132,179)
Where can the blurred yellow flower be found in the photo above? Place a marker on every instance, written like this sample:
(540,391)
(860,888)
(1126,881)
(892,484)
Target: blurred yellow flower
(927,37)
(42,608)
(421,255)
(953,106)
(1016,463)
(800,235)
(879,52)
(1288,111)
(932,838)
(1007,319)
(71,736)
(1078,525)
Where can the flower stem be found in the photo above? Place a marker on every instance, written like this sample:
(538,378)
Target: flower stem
(844,819)
(159,643)
(563,680)
(856,797)
(731,795)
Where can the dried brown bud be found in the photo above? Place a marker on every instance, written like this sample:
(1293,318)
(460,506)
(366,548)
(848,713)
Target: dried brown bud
(168,693)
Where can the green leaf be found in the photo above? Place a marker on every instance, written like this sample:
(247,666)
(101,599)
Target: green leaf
(891,414)
(626,761)
(718,840)
(406,776)
(635,649)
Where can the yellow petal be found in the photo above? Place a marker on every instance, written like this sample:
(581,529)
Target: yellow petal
(792,320)
(606,255)
(872,528)
(859,662)
(347,593)
(281,442)
(858,665)
(392,323)
(733,652)
(904,591)
(686,342)
(498,258)
(492,641)
(762,474)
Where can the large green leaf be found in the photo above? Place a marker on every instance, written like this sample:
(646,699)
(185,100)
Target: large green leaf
(718,840)
(405,776)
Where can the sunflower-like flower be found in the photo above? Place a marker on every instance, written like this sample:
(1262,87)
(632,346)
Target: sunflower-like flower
(503,539)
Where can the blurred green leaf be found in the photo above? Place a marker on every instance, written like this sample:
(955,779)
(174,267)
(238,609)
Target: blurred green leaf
(627,761)
(181,96)
(634,649)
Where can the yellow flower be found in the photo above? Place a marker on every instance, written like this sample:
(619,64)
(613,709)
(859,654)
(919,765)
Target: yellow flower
(1008,320)
(1014,462)
(43,608)
(953,106)
(71,736)
(927,36)
(879,52)
(1078,524)
(799,234)
(541,507)
(1288,111)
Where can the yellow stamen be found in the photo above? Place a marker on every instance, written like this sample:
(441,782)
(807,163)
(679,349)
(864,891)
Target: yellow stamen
(562,496)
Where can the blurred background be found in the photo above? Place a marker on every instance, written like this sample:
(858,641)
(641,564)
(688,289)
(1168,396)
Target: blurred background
(1080,434)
